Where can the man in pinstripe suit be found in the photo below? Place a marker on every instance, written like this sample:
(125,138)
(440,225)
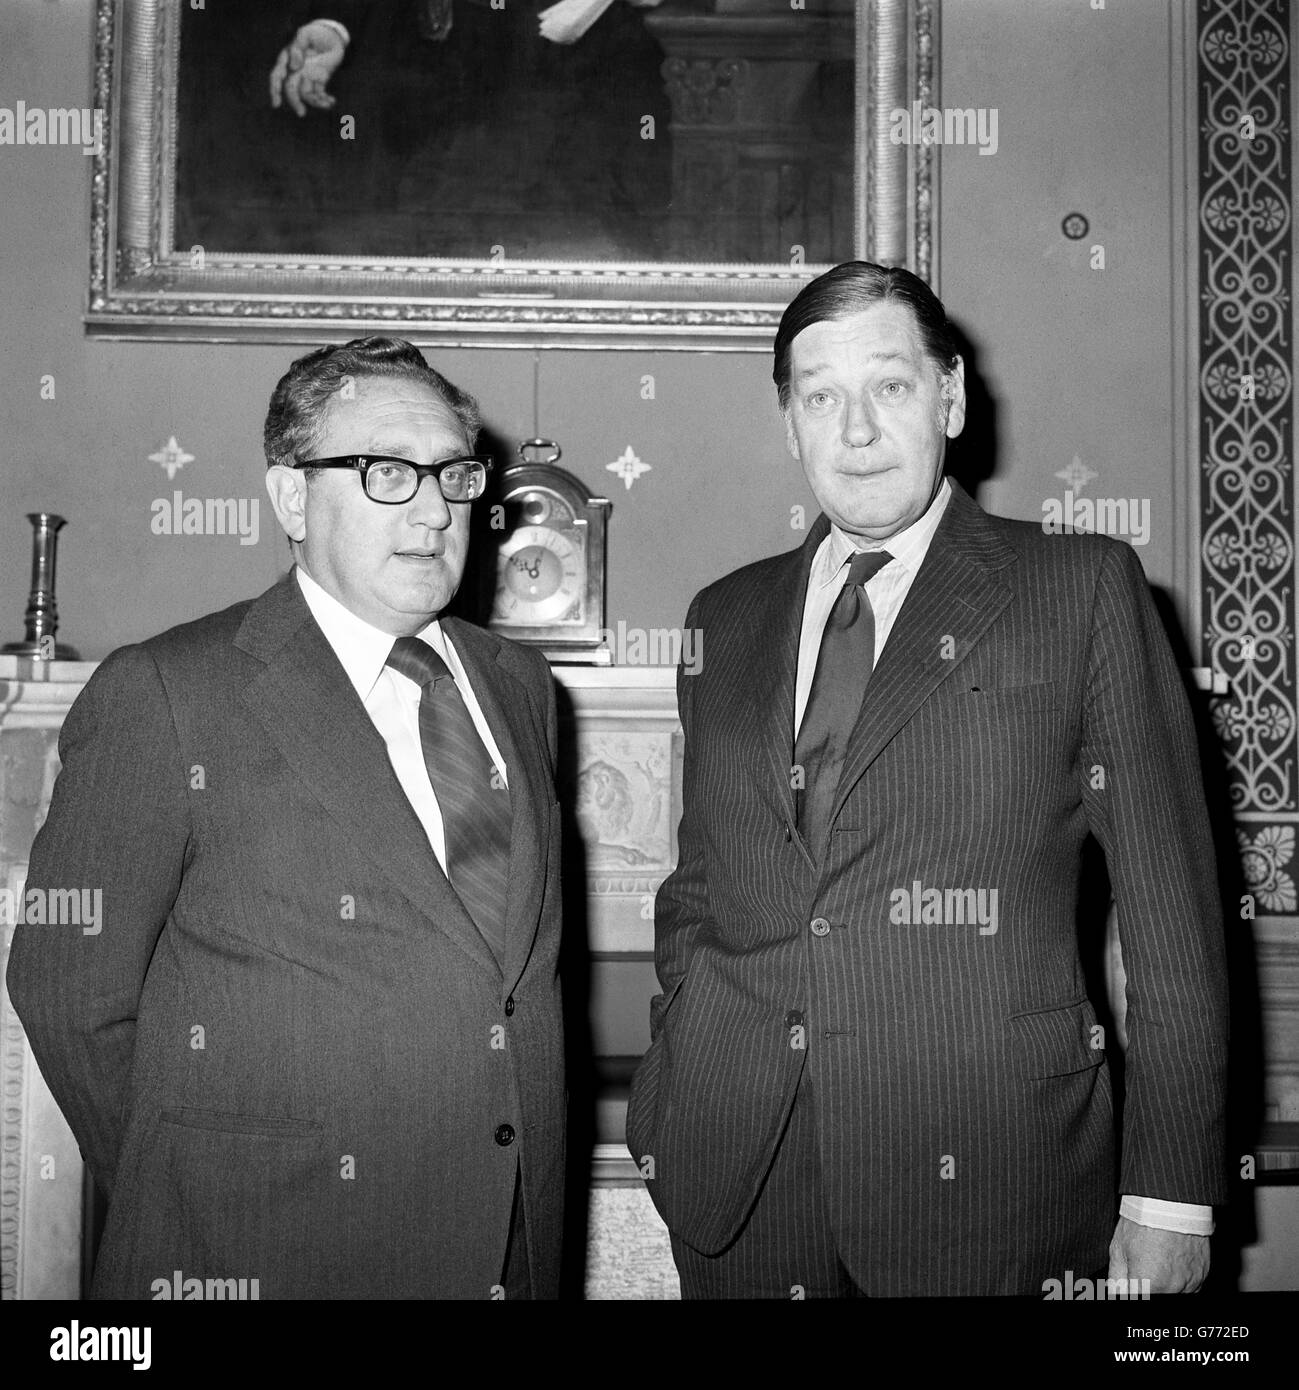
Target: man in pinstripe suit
(874,1068)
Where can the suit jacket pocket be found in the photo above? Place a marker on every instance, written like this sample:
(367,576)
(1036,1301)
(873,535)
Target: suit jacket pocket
(1056,1041)
(998,704)
(257,1196)
(231,1122)
(659,1007)
(1010,689)
(643,1104)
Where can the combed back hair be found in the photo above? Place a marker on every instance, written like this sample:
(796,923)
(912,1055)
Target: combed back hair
(295,420)
(848,289)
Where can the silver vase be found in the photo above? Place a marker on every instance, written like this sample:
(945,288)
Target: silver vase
(42,616)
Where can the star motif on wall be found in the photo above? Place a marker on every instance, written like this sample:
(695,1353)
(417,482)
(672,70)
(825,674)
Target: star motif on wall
(171,457)
(1077,475)
(628,467)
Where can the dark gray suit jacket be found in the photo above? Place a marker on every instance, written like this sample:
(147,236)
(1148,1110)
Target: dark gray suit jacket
(288,1055)
(1026,697)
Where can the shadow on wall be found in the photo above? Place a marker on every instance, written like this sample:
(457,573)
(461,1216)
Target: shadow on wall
(473,600)
(972,455)
(1237,1222)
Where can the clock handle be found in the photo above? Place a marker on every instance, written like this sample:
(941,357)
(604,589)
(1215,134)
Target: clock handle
(555,451)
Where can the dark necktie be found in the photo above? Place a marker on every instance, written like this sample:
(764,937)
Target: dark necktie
(471,794)
(843,668)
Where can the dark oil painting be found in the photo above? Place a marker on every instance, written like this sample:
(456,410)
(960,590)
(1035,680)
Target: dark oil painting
(694,131)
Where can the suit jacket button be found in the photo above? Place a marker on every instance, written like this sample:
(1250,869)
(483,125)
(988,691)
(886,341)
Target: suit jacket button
(509,1007)
(505,1135)
(820,927)
(793,1018)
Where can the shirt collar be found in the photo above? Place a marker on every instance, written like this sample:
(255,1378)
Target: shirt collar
(908,548)
(362,648)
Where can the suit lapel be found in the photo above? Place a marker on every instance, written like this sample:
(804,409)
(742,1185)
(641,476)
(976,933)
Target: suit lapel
(958,594)
(310,709)
(508,710)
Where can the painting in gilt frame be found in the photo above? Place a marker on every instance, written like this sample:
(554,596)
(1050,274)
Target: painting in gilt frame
(667,178)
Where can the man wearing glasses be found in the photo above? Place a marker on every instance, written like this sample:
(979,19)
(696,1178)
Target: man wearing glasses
(317,1042)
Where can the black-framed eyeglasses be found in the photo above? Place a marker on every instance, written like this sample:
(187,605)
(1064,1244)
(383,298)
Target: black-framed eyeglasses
(393,481)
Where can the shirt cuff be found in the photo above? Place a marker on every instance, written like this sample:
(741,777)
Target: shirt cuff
(1189,1218)
(338,28)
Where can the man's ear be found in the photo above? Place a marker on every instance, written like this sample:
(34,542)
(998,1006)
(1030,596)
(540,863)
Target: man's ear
(791,439)
(288,493)
(952,392)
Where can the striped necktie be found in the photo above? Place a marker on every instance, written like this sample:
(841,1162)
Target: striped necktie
(843,667)
(472,795)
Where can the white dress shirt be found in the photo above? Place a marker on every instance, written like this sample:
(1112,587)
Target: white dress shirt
(887,590)
(392,700)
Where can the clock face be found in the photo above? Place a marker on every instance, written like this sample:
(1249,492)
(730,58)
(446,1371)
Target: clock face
(541,577)
(549,579)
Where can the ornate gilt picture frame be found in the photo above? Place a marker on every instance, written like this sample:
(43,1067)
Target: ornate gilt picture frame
(153,276)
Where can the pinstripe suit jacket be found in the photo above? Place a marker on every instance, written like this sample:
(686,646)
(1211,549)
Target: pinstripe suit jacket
(1026,697)
(287,1053)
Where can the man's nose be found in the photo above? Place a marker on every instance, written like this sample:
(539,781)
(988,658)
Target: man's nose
(428,507)
(859,424)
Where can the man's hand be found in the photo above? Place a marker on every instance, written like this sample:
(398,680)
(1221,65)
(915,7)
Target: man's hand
(1173,1262)
(305,66)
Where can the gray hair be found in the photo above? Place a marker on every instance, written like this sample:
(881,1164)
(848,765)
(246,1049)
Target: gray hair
(296,417)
